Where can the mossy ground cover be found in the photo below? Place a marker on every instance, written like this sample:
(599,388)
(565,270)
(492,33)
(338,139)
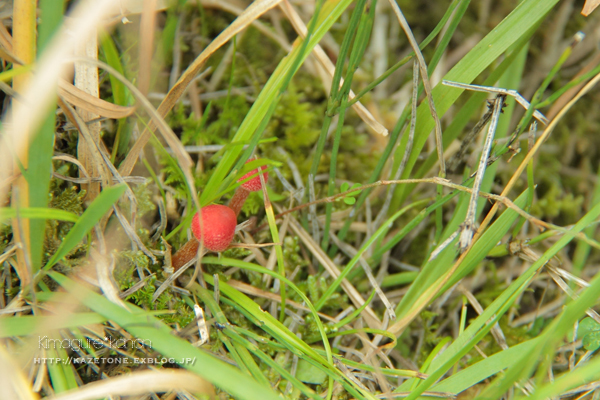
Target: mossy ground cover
(345,278)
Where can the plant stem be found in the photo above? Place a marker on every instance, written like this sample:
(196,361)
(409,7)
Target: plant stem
(185,253)
(239,198)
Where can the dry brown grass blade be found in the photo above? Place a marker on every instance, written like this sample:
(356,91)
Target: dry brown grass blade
(231,8)
(370,318)
(40,91)
(140,383)
(589,6)
(255,10)
(328,66)
(86,101)
(7,55)
(5,38)
(179,152)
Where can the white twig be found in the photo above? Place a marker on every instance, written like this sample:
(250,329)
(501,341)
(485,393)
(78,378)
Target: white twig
(468,228)
(507,92)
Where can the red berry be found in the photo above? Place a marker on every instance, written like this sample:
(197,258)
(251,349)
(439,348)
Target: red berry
(218,227)
(253,185)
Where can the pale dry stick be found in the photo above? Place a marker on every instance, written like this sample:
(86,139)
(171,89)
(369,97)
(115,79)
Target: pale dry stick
(396,395)
(40,92)
(494,90)
(426,84)
(86,79)
(7,253)
(181,155)
(411,135)
(468,227)
(147,24)
(254,11)
(548,310)
(328,66)
(296,193)
(422,302)
(565,288)
(529,255)
(129,179)
(436,252)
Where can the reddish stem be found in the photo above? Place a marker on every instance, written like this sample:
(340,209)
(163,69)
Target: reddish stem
(239,198)
(185,253)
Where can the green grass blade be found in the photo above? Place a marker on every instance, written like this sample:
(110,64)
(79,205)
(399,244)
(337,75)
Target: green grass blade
(481,325)
(512,28)
(29,324)
(141,325)
(330,12)
(38,213)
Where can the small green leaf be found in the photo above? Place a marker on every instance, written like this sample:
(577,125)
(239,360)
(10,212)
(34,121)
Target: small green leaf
(591,341)
(308,373)
(345,186)
(586,326)
(589,330)
(349,200)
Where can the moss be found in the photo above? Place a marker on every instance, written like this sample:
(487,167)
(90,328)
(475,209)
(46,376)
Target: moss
(70,199)
(555,202)
(143,195)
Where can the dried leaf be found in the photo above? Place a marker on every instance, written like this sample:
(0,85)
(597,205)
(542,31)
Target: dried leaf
(81,99)
(589,6)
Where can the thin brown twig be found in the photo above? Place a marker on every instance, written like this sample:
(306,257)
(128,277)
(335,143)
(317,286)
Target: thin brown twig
(444,182)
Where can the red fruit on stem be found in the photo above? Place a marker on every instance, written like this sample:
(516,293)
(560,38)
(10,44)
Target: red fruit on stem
(218,227)
(253,185)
